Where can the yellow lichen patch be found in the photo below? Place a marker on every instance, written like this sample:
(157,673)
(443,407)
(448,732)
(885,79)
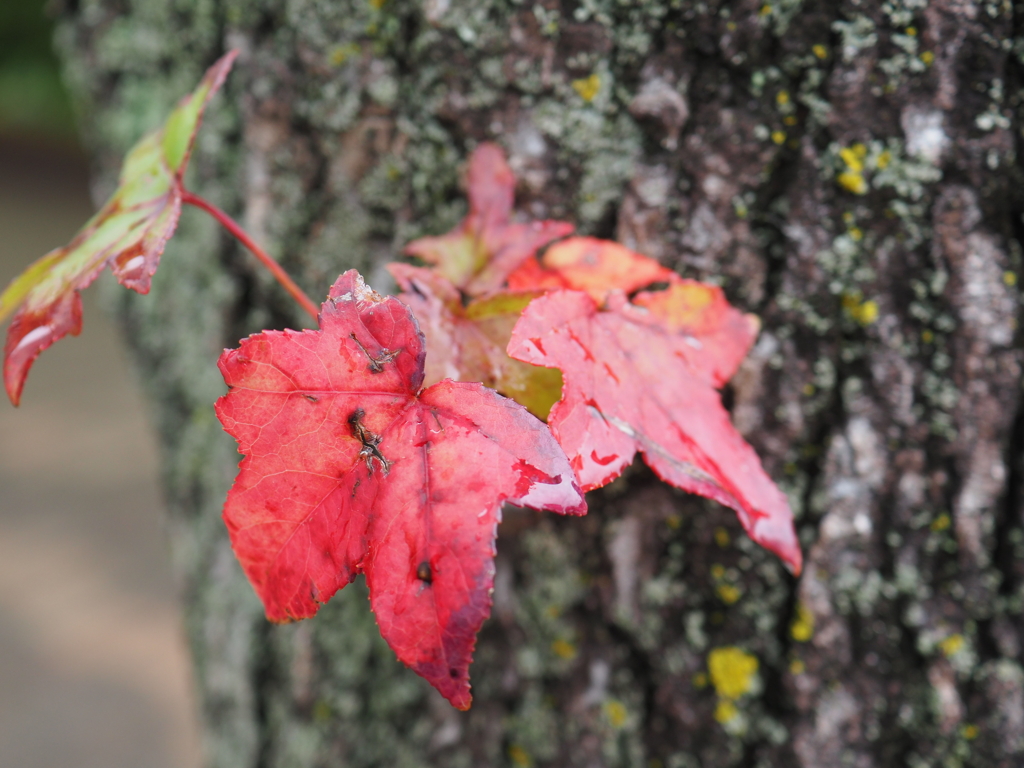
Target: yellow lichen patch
(951,645)
(927,337)
(856,233)
(322,712)
(912,31)
(790,120)
(553,611)
(852,158)
(732,671)
(782,98)
(700,680)
(809,389)
(728,593)
(616,713)
(722,537)
(674,521)
(868,313)
(797,667)
(717,571)
(377,4)
(563,649)
(519,756)
(864,312)
(969,731)
(941,523)
(1010,278)
(819,50)
(802,628)
(927,58)
(853,177)
(343,53)
(587,87)
(778,136)
(853,181)
(765,9)
(725,711)
(883,160)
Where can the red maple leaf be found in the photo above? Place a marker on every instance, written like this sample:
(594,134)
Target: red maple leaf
(127,234)
(349,468)
(479,254)
(592,265)
(643,377)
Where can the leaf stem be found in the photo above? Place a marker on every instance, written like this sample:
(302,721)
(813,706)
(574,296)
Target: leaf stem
(265,258)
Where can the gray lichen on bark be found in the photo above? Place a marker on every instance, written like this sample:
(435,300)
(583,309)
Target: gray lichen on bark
(846,170)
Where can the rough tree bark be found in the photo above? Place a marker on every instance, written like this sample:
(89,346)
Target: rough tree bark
(846,170)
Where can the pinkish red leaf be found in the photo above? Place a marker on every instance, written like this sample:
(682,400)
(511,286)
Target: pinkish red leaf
(128,234)
(479,254)
(643,377)
(700,312)
(349,468)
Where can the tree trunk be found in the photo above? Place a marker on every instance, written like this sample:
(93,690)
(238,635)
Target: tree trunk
(846,170)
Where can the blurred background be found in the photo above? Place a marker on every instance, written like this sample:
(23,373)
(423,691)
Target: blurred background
(93,664)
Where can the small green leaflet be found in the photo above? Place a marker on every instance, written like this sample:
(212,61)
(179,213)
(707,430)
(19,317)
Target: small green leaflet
(128,234)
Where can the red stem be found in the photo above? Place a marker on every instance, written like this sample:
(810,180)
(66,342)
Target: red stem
(243,237)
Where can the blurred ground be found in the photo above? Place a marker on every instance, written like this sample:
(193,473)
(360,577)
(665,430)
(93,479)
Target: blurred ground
(93,666)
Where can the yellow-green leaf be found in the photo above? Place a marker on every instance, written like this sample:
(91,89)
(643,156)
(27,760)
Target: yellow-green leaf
(128,235)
